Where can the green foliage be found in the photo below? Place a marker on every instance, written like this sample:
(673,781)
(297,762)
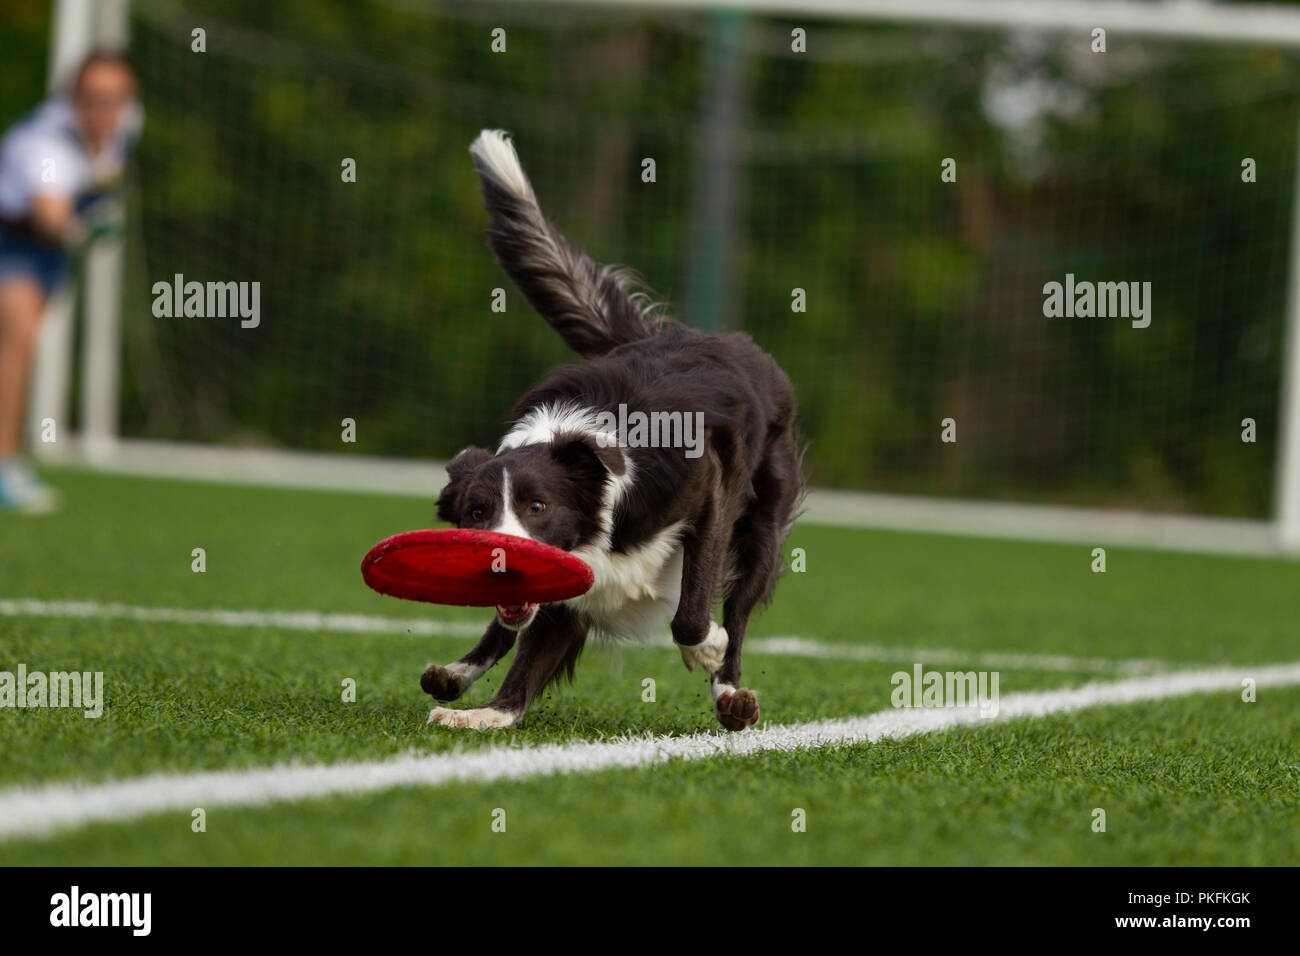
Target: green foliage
(24,51)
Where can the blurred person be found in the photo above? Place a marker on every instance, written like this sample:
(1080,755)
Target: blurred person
(61,168)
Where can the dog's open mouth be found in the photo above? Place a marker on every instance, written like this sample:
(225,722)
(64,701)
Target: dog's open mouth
(515,615)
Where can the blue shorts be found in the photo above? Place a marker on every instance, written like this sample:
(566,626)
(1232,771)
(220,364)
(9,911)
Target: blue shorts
(23,256)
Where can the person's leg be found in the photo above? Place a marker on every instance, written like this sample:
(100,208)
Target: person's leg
(22,301)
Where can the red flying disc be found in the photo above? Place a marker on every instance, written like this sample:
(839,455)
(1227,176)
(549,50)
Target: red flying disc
(474,568)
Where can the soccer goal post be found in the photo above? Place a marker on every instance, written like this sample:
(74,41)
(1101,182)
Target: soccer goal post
(881,194)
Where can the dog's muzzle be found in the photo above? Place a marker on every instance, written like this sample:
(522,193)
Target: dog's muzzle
(516,616)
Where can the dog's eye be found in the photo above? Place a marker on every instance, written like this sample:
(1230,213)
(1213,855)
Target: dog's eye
(537,507)
(476,514)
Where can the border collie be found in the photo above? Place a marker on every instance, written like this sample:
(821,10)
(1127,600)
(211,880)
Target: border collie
(669,528)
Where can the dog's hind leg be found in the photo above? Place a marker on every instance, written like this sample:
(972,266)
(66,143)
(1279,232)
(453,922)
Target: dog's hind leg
(704,555)
(755,561)
(450,682)
(548,649)
(735,706)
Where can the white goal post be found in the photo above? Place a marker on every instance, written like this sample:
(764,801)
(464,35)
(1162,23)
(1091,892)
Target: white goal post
(80,25)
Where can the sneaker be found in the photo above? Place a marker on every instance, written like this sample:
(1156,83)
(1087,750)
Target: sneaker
(21,490)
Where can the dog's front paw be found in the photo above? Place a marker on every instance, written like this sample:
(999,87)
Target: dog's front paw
(709,652)
(476,718)
(442,683)
(737,709)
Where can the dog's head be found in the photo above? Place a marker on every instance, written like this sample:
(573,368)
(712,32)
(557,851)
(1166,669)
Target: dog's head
(553,492)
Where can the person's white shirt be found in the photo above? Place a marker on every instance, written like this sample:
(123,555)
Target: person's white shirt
(42,154)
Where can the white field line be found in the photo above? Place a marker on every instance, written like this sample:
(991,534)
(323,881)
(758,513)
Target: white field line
(370,624)
(996,660)
(41,810)
(218,617)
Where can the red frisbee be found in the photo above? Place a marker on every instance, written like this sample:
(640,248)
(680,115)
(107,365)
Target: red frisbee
(474,568)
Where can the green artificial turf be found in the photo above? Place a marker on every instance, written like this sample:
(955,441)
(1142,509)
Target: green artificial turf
(1202,779)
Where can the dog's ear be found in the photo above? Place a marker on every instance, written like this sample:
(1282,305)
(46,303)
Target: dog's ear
(586,455)
(458,469)
(466,460)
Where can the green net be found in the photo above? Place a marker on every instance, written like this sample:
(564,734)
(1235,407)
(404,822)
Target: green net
(924,298)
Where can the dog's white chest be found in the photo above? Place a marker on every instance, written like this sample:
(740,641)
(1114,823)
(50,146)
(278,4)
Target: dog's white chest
(636,593)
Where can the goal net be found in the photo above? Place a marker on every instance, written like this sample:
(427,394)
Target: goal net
(880,205)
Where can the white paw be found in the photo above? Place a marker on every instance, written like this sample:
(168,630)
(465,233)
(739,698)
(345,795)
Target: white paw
(708,653)
(720,689)
(476,718)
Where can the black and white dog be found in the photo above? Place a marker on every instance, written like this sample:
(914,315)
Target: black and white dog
(669,530)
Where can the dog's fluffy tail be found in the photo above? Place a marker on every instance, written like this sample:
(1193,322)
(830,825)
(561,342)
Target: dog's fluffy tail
(593,308)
